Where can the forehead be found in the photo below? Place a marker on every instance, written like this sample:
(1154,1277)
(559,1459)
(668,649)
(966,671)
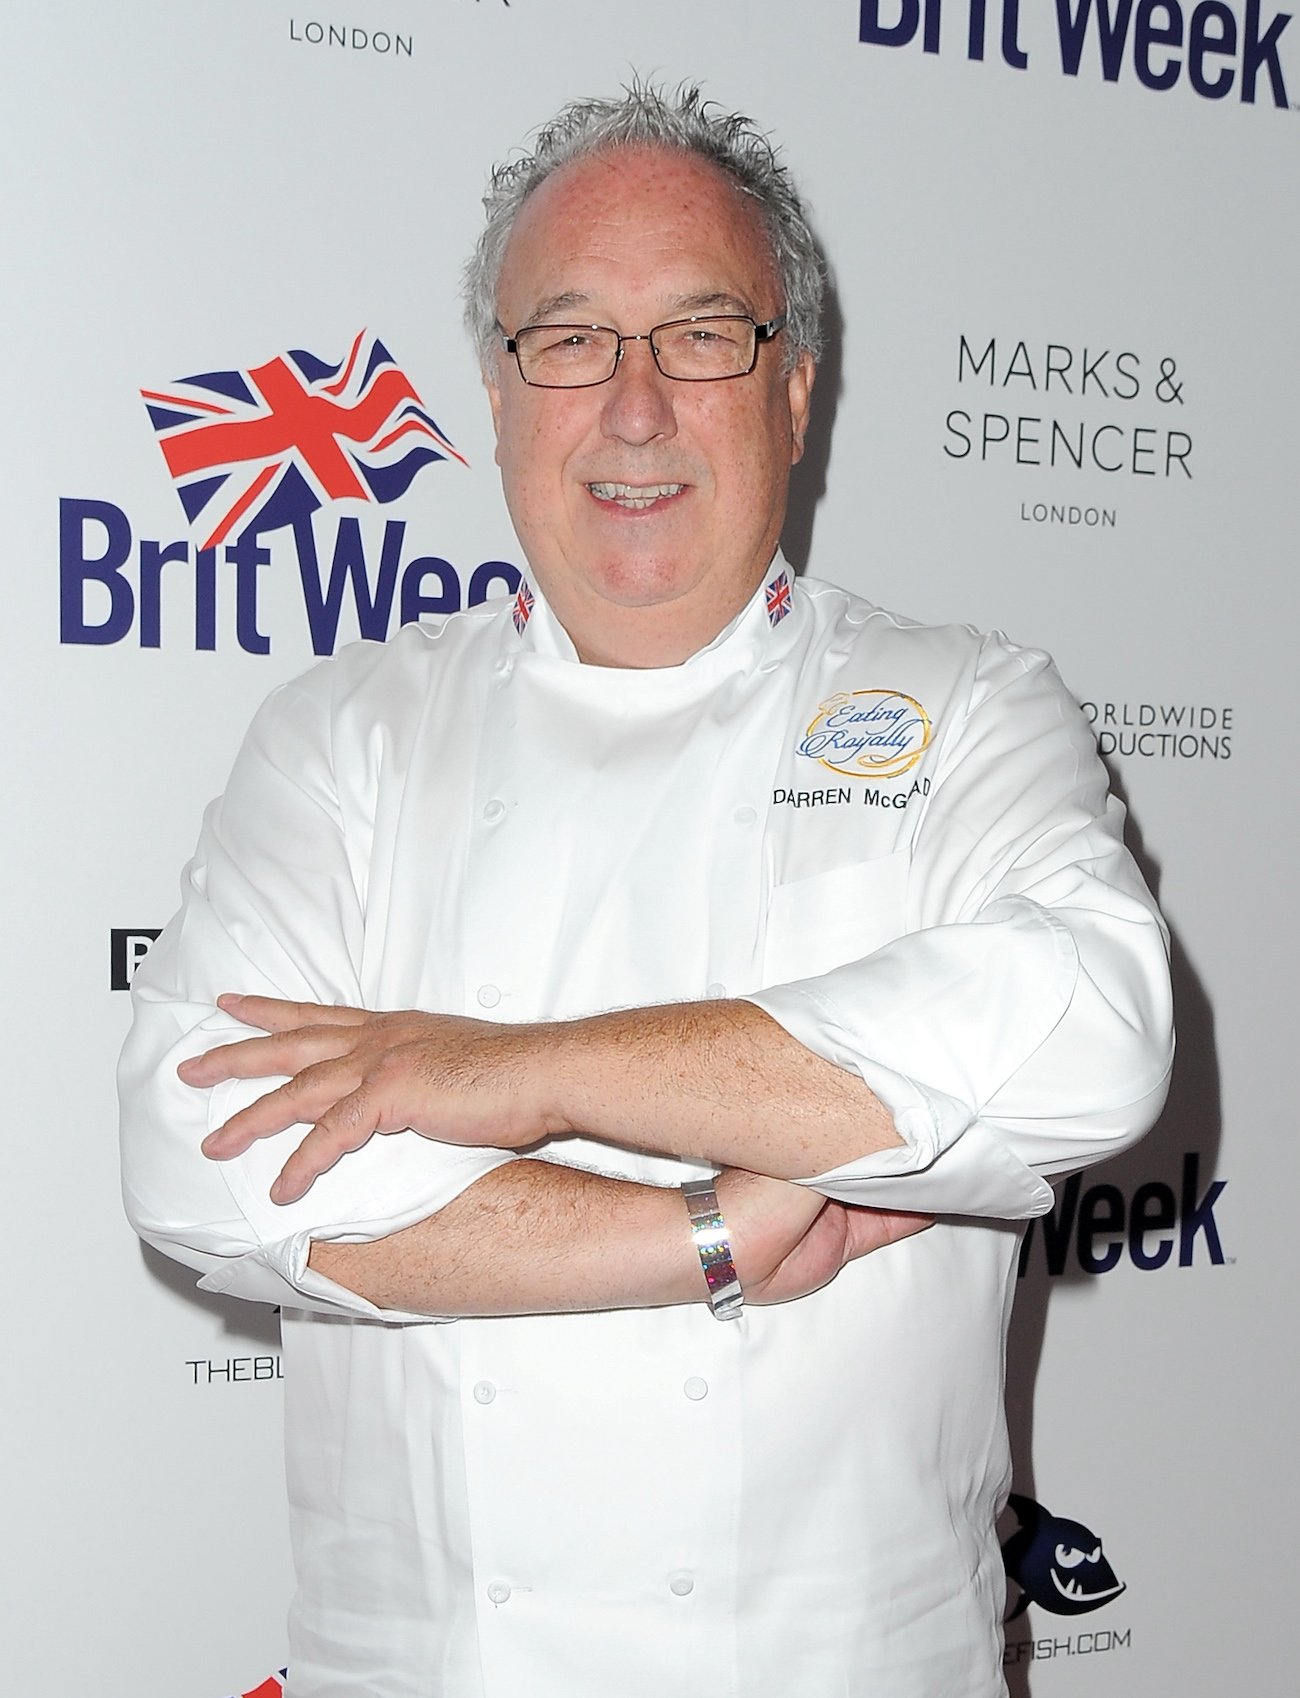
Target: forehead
(637,228)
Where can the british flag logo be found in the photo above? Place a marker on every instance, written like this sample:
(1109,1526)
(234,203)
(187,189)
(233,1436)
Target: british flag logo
(523,607)
(266,447)
(778,598)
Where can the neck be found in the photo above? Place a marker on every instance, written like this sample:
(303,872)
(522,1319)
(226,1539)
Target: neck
(652,635)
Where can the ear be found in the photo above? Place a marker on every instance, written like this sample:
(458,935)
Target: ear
(492,384)
(799,387)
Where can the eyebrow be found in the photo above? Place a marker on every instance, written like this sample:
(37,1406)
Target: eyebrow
(719,301)
(557,303)
(706,301)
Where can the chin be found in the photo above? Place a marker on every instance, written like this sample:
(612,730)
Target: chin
(642,583)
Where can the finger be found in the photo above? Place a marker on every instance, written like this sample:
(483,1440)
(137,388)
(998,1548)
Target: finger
(262,1058)
(275,1014)
(300,1101)
(347,1127)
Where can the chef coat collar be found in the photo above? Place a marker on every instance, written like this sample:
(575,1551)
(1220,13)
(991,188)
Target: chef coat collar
(764,629)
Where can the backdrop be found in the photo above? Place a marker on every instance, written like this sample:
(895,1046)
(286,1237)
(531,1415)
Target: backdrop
(1058,400)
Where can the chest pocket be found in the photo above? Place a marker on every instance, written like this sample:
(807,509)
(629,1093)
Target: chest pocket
(826,919)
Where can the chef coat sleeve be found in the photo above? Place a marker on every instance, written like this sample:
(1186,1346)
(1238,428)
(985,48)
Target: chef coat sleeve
(272,904)
(1021,1026)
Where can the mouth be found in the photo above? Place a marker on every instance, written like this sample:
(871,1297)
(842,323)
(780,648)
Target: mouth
(1074,1591)
(635,497)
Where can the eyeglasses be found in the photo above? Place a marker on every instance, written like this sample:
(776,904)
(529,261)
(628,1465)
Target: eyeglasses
(689,350)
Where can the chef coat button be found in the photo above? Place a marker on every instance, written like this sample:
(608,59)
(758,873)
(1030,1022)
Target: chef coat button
(681,1584)
(696,1388)
(484,1392)
(715,990)
(498,1592)
(494,810)
(488,996)
(745,815)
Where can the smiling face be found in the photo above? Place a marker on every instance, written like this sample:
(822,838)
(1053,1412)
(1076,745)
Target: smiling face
(649,510)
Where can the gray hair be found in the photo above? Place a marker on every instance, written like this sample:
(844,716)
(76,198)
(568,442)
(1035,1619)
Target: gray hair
(644,116)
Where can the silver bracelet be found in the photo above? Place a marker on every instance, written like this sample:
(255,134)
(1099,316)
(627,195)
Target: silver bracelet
(709,1232)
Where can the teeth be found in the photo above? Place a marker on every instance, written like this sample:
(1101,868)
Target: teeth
(1074,1590)
(634,495)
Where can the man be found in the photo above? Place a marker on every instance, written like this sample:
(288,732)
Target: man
(569,838)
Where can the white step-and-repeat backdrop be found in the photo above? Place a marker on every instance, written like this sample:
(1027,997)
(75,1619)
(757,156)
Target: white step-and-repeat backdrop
(1059,399)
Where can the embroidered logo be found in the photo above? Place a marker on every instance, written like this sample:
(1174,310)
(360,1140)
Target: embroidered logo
(778,599)
(868,734)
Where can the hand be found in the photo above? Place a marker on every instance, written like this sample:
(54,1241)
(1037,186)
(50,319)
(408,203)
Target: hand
(789,1240)
(353,1073)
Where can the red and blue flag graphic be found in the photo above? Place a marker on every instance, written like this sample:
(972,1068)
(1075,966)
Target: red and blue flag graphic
(266,447)
(778,598)
(523,607)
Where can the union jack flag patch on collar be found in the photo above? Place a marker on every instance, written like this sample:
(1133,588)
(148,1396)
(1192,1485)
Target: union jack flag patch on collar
(778,598)
(523,606)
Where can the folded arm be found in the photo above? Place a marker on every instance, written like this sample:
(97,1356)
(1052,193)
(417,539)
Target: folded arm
(536,1238)
(713,1082)
(1020,1027)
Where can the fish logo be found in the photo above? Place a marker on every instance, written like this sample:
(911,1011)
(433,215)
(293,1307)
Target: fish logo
(1057,1564)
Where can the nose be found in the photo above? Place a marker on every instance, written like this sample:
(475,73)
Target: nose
(638,404)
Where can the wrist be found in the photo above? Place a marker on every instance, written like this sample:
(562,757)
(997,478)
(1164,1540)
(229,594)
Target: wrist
(563,1059)
(709,1233)
(764,1217)
(535,1073)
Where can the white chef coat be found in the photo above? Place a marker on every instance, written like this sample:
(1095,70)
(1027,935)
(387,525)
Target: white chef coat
(897,841)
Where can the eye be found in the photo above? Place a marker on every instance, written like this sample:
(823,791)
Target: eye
(1068,1557)
(555,341)
(1095,1554)
(710,335)
(571,342)
(703,335)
